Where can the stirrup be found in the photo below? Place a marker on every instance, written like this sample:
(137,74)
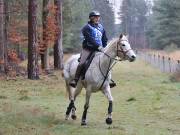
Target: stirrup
(112,84)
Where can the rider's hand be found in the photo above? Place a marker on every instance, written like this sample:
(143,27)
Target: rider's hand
(100,48)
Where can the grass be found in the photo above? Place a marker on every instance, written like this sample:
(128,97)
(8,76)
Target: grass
(146,102)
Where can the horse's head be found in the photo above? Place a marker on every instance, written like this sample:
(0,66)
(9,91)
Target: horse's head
(124,50)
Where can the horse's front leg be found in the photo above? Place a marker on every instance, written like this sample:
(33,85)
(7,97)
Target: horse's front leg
(107,93)
(86,106)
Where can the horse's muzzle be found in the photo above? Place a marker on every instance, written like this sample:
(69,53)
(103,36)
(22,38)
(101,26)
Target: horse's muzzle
(132,58)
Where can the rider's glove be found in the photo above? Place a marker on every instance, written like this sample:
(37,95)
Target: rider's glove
(100,48)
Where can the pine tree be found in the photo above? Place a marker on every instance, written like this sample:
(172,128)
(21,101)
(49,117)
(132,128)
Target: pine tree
(164,26)
(133,16)
(76,16)
(44,55)
(32,41)
(2,37)
(107,17)
(58,49)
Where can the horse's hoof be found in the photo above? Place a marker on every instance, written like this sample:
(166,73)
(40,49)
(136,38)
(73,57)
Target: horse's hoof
(83,123)
(74,117)
(67,117)
(109,121)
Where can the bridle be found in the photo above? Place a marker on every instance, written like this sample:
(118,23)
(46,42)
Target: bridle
(119,49)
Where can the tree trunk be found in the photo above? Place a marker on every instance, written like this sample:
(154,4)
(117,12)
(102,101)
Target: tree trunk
(2,36)
(44,60)
(44,56)
(58,49)
(32,41)
(6,9)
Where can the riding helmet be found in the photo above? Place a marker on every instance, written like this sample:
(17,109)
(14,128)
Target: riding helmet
(94,13)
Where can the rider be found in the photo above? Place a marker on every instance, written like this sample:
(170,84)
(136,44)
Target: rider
(94,40)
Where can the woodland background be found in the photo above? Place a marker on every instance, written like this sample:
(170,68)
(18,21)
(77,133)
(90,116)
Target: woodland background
(41,31)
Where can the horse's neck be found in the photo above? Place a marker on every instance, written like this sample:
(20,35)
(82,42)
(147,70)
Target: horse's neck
(106,61)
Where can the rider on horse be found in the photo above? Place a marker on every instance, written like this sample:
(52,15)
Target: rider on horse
(94,40)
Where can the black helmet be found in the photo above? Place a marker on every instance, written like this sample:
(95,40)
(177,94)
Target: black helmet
(94,13)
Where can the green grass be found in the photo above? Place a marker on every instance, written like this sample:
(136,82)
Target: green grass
(146,102)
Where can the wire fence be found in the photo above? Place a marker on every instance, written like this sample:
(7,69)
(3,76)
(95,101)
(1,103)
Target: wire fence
(164,63)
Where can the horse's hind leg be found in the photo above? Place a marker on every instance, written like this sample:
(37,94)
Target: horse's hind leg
(78,90)
(71,105)
(76,93)
(71,109)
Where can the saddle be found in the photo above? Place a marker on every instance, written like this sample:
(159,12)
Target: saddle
(86,64)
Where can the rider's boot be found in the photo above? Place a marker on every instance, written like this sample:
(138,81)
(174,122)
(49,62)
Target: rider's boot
(74,82)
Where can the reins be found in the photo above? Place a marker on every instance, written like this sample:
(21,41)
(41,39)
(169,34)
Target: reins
(111,58)
(107,73)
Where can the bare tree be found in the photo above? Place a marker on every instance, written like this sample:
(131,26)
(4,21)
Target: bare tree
(58,49)
(32,41)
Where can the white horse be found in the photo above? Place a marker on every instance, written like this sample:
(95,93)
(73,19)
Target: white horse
(98,75)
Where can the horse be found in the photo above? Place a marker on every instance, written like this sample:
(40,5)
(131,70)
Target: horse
(98,75)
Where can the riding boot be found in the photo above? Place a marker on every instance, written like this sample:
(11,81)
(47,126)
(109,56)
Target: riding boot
(112,84)
(74,82)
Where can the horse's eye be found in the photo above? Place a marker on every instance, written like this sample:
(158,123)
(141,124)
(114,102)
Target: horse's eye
(123,44)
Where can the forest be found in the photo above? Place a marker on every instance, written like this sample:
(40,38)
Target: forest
(57,25)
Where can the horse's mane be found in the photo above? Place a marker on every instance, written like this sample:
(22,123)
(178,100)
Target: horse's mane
(111,42)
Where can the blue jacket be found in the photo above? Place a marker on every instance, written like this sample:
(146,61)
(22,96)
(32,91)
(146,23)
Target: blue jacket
(94,36)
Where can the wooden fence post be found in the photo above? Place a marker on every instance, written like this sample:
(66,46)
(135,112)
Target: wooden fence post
(154,60)
(163,60)
(169,61)
(159,62)
(178,65)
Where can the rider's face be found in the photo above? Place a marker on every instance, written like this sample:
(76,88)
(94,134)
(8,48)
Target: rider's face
(95,19)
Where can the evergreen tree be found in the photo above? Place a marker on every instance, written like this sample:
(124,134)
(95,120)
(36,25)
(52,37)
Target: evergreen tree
(164,26)
(32,41)
(58,49)
(133,16)
(44,55)
(107,17)
(2,37)
(76,16)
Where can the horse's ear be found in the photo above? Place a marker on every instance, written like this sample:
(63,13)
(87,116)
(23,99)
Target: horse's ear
(121,35)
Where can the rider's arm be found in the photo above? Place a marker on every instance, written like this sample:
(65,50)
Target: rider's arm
(104,39)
